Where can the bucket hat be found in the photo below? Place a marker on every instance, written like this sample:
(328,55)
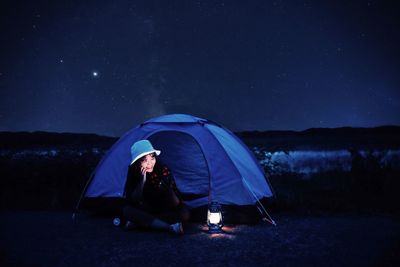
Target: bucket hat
(142,148)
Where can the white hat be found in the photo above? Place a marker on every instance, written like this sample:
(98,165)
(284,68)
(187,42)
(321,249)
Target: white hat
(142,148)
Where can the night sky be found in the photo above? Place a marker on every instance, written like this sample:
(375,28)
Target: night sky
(105,66)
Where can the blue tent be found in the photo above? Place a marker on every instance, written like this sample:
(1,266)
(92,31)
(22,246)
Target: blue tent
(208,161)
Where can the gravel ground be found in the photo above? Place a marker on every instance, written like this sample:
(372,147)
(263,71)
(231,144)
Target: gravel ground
(52,239)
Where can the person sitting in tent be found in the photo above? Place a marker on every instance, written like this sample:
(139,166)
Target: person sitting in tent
(152,198)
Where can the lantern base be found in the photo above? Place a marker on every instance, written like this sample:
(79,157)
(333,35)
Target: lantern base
(214,229)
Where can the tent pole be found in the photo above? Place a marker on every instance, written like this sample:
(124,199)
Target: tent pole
(269,219)
(80,198)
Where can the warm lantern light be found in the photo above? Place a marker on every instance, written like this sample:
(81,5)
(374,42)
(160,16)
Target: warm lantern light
(214,218)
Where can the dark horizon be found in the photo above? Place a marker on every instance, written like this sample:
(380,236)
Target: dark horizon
(236,132)
(241,133)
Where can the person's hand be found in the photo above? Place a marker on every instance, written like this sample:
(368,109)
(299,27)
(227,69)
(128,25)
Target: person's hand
(143,172)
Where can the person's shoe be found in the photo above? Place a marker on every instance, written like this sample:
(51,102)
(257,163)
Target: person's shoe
(177,228)
(129,226)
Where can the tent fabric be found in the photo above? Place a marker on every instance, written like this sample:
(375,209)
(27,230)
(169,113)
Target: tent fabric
(208,162)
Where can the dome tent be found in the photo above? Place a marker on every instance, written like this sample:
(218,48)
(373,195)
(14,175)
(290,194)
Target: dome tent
(209,163)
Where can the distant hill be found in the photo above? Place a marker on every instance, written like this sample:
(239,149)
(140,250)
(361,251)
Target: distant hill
(31,140)
(385,137)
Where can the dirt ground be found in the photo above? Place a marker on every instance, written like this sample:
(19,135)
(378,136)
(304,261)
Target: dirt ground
(52,239)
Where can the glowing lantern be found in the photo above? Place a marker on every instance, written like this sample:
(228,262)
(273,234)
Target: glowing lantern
(214,218)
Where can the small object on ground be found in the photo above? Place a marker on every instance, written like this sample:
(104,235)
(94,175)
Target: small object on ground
(117,221)
(129,226)
(176,228)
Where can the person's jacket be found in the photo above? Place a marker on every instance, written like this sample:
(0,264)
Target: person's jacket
(157,190)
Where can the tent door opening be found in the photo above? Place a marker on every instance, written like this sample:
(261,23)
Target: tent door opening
(183,155)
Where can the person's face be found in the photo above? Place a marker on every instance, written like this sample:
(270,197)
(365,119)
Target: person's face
(148,162)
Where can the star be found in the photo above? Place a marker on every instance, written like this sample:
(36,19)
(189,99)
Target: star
(95,74)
